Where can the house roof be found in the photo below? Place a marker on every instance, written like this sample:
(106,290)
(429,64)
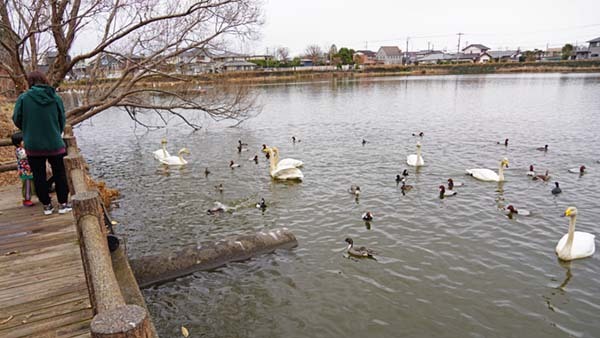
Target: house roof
(502,53)
(595,40)
(476,45)
(366,52)
(238,64)
(390,50)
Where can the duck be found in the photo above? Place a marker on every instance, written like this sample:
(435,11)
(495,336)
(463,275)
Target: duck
(255,159)
(294,139)
(452,184)
(405,187)
(489,175)
(420,134)
(512,210)
(206,171)
(279,170)
(398,179)
(364,141)
(219,187)
(218,208)
(444,193)
(505,142)
(367,216)
(361,252)
(161,153)
(557,190)
(242,144)
(176,160)
(575,244)
(531,172)
(415,160)
(544,148)
(544,177)
(233,165)
(405,172)
(262,204)
(354,190)
(580,170)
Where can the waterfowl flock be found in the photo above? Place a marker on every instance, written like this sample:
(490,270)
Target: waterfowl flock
(573,245)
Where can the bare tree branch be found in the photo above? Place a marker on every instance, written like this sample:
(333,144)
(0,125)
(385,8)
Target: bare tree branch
(140,41)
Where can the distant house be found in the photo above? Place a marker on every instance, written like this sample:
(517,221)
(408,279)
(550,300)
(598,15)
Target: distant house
(504,55)
(416,57)
(306,62)
(475,49)
(591,52)
(552,54)
(451,58)
(389,55)
(594,48)
(242,65)
(365,57)
(483,58)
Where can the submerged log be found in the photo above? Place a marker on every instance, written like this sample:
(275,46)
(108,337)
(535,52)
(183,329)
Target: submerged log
(155,269)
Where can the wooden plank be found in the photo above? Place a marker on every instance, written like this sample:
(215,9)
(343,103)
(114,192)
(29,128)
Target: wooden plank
(59,308)
(42,284)
(49,325)
(79,329)
(20,257)
(29,293)
(15,280)
(44,302)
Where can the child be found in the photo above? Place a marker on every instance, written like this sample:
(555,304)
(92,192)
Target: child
(23,169)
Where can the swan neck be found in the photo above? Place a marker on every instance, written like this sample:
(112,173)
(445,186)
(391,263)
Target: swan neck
(571,235)
(272,160)
(164,149)
(501,172)
(418,153)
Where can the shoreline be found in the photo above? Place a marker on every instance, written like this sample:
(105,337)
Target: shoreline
(291,75)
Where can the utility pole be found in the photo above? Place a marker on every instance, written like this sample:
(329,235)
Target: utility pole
(406,51)
(458,46)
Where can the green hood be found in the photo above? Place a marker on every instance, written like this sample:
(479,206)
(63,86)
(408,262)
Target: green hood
(42,94)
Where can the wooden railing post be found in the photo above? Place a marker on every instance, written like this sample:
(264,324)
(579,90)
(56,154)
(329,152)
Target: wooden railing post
(113,318)
(127,321)
(75,166)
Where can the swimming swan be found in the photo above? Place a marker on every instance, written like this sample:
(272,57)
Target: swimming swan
(161,153)
(281,171)
(489,175)
(415,160)
(176,160)
(575,244)
(286,161)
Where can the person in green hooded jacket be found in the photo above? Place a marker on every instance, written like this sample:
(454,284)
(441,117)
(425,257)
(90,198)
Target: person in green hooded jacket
(40,114)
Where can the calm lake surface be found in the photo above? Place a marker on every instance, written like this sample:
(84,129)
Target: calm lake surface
(456,267)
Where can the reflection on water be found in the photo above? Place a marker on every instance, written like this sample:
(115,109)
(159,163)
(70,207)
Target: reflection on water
(450,267)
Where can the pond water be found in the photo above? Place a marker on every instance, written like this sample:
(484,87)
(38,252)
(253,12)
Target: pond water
(453,267)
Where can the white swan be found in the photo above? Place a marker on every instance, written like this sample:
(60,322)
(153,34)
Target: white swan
(489,175)
(161,153)
(575,244)
(279,170)
(416,160)
(176,160)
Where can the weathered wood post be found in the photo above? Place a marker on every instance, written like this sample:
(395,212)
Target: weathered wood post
(75,167)
(113,317)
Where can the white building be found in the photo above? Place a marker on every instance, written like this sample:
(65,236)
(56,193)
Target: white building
(389,55)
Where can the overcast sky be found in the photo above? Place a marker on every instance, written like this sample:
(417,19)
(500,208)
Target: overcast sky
(361,23)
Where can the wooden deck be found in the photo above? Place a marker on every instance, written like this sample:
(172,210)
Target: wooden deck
(43,292)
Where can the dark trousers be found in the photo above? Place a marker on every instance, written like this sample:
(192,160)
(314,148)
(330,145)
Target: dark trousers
(38,168)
